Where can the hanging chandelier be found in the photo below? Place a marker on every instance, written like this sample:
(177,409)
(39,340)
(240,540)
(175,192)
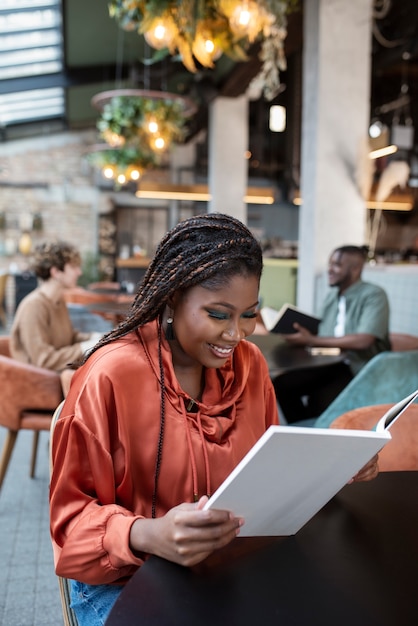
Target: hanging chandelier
(200,32)
(139,126)
(122,165)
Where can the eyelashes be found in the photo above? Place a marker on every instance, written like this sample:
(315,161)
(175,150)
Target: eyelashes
(225,316)
(217,315)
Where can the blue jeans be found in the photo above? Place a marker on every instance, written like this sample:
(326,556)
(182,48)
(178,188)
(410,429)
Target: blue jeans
(93,603)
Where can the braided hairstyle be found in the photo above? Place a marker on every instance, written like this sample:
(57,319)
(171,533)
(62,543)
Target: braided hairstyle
(204,250)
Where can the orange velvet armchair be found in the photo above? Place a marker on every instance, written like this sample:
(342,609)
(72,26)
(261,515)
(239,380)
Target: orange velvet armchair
(401,452)
(28,397)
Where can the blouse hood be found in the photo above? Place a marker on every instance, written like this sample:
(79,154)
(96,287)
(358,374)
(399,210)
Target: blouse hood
(223,386)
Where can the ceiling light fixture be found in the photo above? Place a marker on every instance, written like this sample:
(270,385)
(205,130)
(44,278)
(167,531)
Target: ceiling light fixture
(397,204)
(375,129)
(277,118)
(200,32)
(138,126)
(381,152)
(198,193)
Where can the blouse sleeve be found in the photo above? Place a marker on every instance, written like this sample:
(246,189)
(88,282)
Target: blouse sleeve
(90,533)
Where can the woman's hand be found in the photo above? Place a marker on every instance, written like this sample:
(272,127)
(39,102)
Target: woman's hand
(186,534)
(369,471)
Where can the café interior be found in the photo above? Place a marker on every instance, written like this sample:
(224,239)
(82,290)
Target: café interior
(306,132)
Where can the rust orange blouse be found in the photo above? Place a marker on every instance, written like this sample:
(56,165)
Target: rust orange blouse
(105,444)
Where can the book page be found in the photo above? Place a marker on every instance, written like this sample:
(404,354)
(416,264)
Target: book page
(394,412)
(269,316)
(291,473)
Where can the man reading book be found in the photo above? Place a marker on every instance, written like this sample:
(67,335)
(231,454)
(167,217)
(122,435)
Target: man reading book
(354,318)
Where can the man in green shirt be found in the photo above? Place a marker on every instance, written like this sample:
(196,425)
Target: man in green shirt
(355,318)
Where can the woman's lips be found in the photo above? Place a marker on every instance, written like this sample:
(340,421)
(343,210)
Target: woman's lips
(221,351)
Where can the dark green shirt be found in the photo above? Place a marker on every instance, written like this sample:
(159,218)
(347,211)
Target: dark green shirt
(367,311)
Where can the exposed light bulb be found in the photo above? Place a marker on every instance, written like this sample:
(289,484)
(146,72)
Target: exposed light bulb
(160,35)
(153,126)
(375,129)
(160,31)
(121,179)
(209,46)
(244,17)
(113,139)
(247,20)
(108,172)
(135,175)
(159,143)
(205,51)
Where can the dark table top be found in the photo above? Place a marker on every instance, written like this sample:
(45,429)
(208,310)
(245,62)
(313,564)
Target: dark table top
(282,357)
(354,563)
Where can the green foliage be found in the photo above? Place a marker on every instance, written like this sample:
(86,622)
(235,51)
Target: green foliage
(90,267)
(122,158)
(126,117)
(191,22)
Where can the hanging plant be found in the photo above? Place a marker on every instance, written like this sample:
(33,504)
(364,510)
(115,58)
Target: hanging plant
(200,32)
(131,120)
(138,126)
(124,157)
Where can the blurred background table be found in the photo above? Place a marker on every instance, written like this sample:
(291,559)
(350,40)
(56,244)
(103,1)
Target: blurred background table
(296,372)
(282,357)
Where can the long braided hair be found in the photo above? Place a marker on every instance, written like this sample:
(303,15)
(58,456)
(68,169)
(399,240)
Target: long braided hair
(204,250)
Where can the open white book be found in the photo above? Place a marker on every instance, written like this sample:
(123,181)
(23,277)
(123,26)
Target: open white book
(390,417)
(293,471)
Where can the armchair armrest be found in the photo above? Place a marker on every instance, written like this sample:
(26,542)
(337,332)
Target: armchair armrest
(26,387)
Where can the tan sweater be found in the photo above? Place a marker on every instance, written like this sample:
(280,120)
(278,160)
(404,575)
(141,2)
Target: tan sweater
(42,333)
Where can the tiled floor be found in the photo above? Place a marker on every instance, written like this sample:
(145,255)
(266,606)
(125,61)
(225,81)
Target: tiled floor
(29,594)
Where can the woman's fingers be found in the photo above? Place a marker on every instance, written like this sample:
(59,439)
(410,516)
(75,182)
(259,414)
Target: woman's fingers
(369,471)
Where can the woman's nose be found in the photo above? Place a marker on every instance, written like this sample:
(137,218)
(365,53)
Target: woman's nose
(234,332)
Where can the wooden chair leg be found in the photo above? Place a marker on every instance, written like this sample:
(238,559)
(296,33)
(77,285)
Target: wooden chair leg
(7,453)
(34,452)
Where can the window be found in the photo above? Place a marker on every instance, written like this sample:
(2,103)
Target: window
(30,48)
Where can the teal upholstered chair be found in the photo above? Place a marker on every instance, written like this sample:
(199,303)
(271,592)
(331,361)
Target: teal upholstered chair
(385,379)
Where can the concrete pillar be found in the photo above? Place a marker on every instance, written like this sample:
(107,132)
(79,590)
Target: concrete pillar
(182,163)
(335,116)
(228,167)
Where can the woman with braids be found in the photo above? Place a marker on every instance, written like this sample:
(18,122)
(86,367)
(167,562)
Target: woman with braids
(160,412)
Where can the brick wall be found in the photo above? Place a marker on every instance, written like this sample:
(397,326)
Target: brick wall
(48,178)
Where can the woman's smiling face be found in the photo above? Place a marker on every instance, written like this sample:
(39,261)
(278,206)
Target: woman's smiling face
(210,323)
